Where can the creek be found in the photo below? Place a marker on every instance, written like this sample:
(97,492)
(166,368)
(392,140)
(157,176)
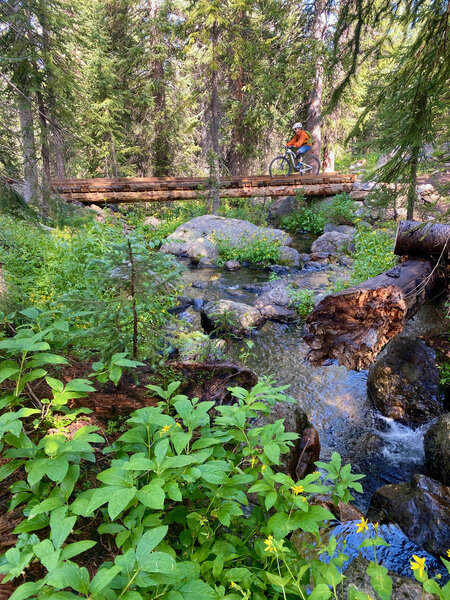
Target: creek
(334,398)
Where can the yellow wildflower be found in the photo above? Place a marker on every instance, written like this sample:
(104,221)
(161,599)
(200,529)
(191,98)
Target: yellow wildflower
(178,425)
(233,585)
(263,468)
(448,553)
(270,546)
(254,461)
(362,526)
(418,563)
(375,526)
(164,430)
(297,489)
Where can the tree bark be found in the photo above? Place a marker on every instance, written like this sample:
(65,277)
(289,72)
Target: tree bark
(353,325)
(313,117)
(30,172)
(214,157)
(423,240)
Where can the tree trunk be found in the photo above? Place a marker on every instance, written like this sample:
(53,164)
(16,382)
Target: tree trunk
(423,240)
(30,172)
(329,155)
(353,325)
(214,156)
(315,100)
(412,194)
(58,148)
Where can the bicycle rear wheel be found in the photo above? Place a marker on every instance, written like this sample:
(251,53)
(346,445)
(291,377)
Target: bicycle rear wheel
(280,166)
(312,162)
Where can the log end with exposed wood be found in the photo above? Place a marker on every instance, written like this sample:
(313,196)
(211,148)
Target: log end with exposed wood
(353,325)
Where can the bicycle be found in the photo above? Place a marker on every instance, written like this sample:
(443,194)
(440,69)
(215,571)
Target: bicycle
(285,165)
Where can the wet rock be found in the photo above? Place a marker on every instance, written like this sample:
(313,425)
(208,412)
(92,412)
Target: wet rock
(183,303)
(254,288)
(436,443)
(289,256)
(245,317)
(313,265)
(275,293)
(403,588)
(278,313)
(295,421)
(197,303)
(206,262)
(199,285)
(232,265)
(322,257)
(404,381)
(279,269)
(421,508)
(304,257)
(333,241)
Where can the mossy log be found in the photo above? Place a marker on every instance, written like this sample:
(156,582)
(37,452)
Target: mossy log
(423,240)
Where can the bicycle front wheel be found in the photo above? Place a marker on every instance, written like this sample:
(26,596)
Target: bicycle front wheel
(313,163)
(280,166)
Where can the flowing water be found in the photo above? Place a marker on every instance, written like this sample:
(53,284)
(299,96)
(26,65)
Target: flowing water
(334,398)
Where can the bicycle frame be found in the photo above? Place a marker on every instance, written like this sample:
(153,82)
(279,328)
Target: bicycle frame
(297,164)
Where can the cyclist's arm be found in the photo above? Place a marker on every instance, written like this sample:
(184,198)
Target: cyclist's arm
(292,142)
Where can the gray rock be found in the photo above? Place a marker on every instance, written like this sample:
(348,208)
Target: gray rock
(232,265)
(365,186)
(436,443)
(274,293)
(153,222)
(347,229)
(289,256)
(199,285)
(283,207)
(404,381)
(304,257)
(403,588)
(245,317)
(322,257)
(197,237)
(333,241)
(278,313)
(421,508)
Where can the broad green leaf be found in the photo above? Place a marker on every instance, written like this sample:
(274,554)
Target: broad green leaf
(320,592)
(149,541)
(103,578)
(26,590)
(152,495)
(79,385)
(76,548)
(46,505)
(156,562)
(196,589)
(119,500)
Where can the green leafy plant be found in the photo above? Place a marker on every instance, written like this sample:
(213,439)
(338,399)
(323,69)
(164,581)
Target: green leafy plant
(260,249)
(341,210)
(197,346)
(112,369)
(305,219)
(302,301)
(373,254)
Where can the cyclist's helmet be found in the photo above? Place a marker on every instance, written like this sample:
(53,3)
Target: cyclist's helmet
(297,125)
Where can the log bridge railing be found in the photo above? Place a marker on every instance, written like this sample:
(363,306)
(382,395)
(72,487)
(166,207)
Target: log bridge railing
(156,189)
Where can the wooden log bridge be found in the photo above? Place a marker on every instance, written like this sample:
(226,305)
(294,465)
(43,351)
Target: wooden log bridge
(156,189)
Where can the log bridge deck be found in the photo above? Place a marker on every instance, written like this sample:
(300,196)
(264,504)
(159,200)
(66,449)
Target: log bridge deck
(156,189)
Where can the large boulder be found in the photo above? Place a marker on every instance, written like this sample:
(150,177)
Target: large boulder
(404,381)
(332,241)
(436,443)
(198,237)
(244,318)
(421,508)
(282,207)
(289,256)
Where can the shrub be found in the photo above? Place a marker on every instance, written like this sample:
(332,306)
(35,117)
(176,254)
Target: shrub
(260,249)
(341,210)
(373,254)
(302,301)
(305,219)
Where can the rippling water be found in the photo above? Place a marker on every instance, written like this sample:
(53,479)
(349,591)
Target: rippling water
(334,398)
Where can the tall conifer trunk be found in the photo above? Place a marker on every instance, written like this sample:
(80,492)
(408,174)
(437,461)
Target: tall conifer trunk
(214,168)
(319,29)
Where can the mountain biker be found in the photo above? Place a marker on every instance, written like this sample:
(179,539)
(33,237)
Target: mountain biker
(301,140)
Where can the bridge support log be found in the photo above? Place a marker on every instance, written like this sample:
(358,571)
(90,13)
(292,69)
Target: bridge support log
(423,240)
(168,195)
(353,325)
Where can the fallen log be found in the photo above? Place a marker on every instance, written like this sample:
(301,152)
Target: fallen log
(423,240)
(92,197)
(353,325)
